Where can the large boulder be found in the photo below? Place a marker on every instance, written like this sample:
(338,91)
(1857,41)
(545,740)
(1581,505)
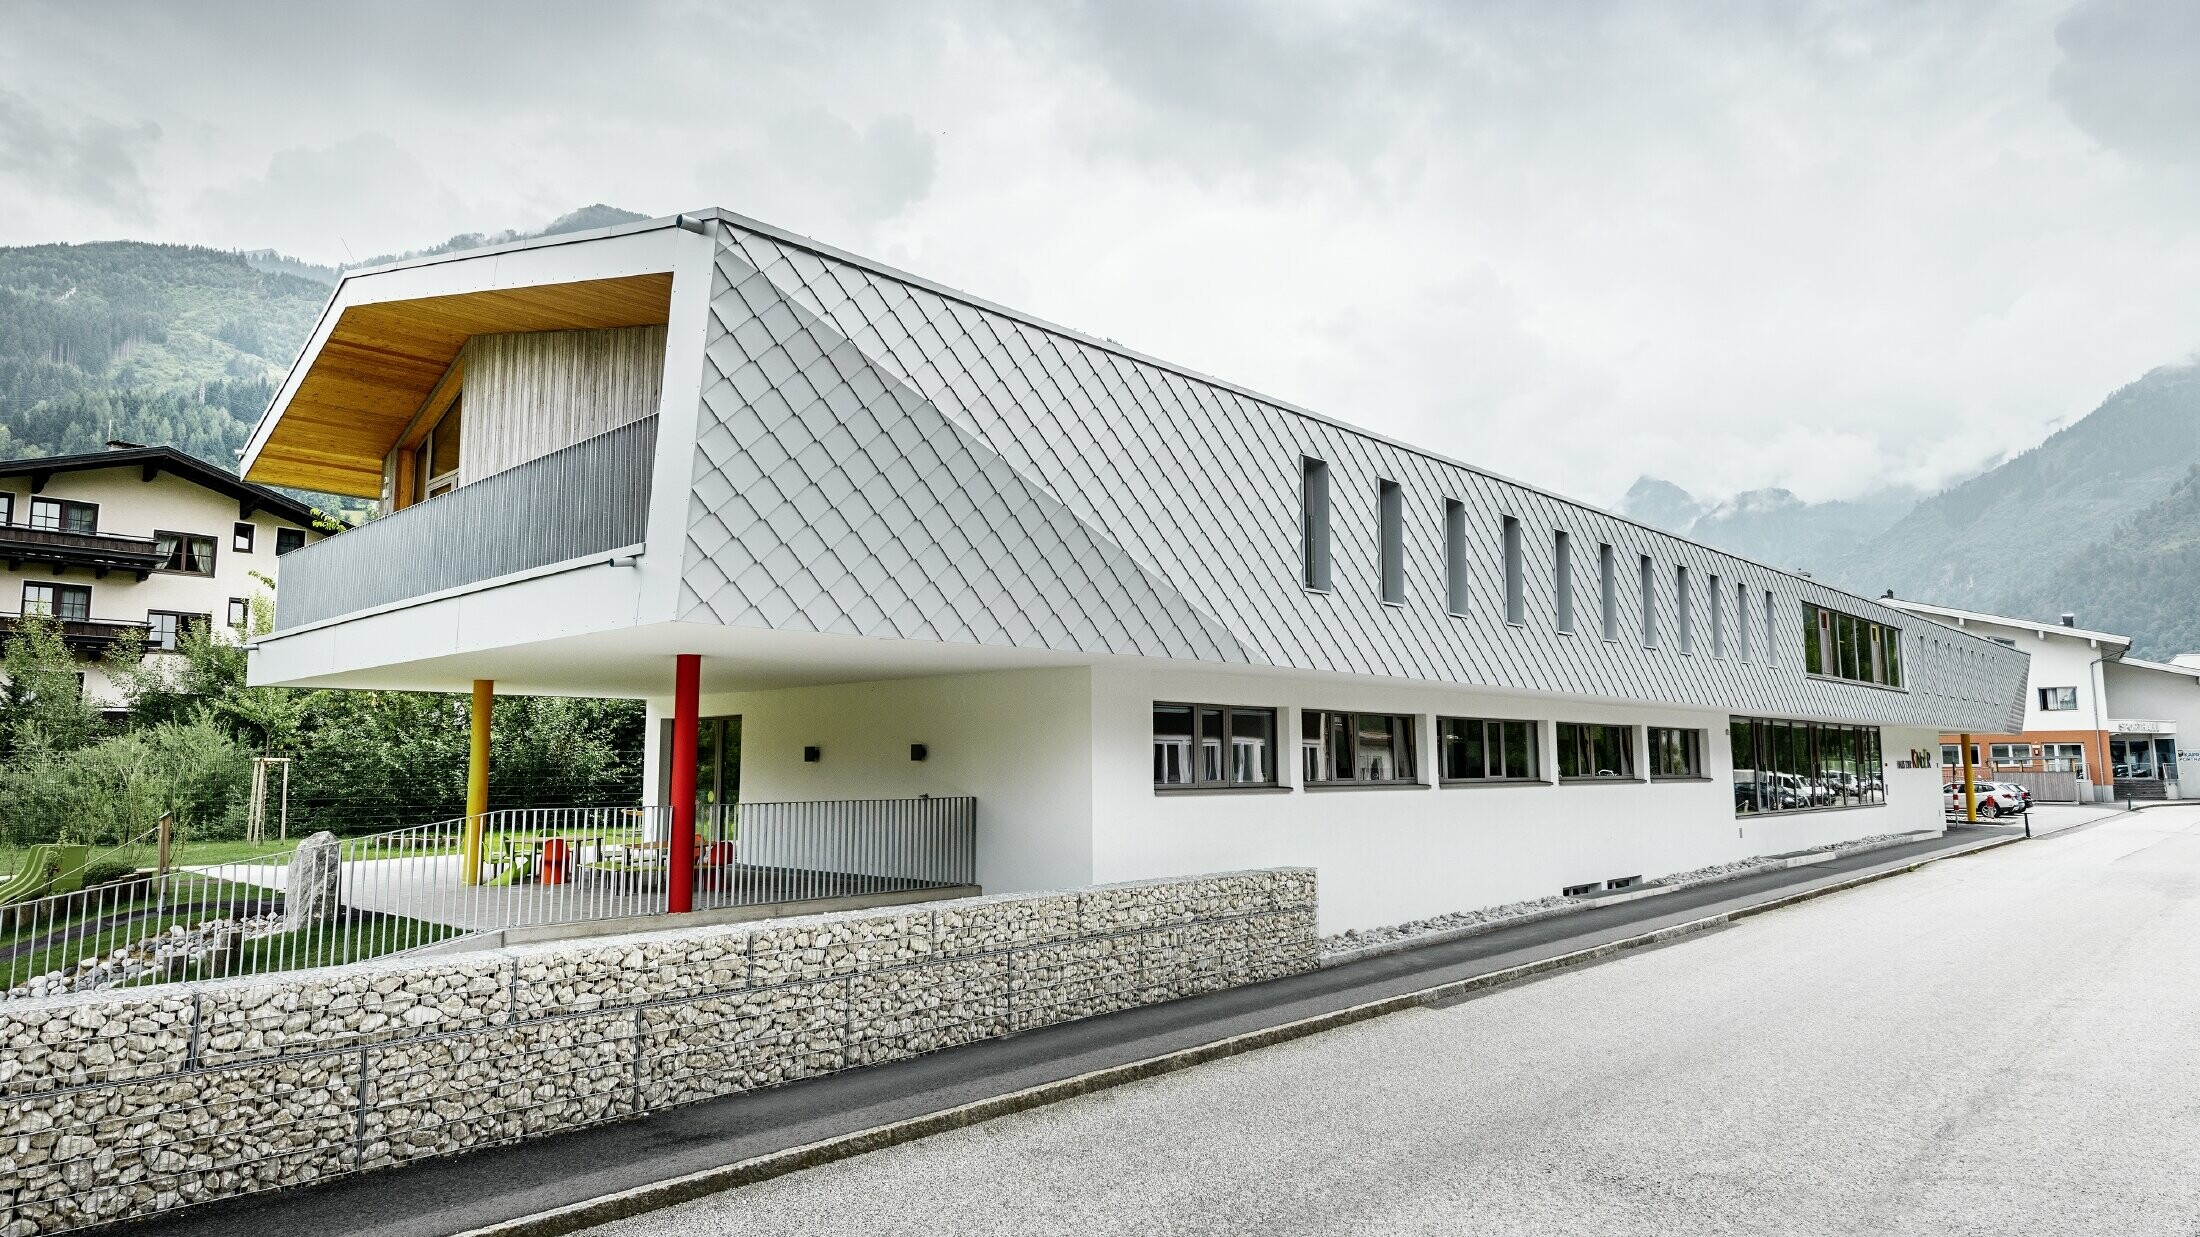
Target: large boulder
(316,881)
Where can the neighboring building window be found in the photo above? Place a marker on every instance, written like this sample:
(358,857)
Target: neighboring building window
(1355,748)
(240,538)
(1455,556)
(1473,749)
(1842,646)
(1213,745)
(7,508)
(1608,590)
(1516,576)
(1649,604)
(1390,548)
(1717,600)
(2058,699)
(165,629)
(188,553)
(1783,766)
(240,613)
(57,515)
(1562,568)
(61,601)
(288,539)
(1950,755)
(2064,757)
(1589,751)
(2005,755)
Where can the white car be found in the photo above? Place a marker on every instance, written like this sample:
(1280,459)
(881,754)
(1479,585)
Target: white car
(1994,798)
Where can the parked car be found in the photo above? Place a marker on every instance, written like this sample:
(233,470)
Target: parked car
(1994,798)
(2022,792)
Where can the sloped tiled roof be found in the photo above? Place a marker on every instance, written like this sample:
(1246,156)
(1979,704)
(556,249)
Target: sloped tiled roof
(880,456)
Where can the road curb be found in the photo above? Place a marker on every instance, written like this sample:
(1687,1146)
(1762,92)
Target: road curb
(639,1200)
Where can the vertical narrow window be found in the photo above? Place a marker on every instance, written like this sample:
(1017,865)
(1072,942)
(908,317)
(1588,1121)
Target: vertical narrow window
(1717,601)
(1649,604)
(1741,619)
(1516,581)
(1390,508)
(1772,640)
(1687,605)
(1455,556)
(1314,523)
(1562,566)
(1608,590)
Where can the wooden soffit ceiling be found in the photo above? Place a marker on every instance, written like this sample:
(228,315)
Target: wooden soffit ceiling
(382,360)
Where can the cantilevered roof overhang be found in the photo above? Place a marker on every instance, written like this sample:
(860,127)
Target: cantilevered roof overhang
(390,334)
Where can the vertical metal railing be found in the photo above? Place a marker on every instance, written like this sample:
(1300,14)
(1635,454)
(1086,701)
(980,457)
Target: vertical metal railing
(328,901)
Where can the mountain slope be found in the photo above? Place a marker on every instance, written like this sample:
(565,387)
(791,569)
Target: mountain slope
(597,215)
(1772,525)
(2143,578)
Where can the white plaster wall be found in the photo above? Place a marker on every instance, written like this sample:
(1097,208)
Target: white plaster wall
(1389,855)
(2161,695)
(1019,741)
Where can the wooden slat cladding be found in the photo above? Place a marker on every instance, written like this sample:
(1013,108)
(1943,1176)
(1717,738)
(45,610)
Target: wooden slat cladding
(530,394)
(382,360)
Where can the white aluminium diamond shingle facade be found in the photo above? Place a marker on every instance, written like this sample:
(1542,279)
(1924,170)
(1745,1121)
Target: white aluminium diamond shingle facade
(879,456)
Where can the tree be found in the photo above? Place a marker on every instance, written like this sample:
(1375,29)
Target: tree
(42,704)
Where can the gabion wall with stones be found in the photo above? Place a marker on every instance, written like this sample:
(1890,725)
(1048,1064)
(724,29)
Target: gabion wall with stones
(116,1105)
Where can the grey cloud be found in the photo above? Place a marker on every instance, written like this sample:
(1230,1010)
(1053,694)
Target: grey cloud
(93,161)
(2130,76)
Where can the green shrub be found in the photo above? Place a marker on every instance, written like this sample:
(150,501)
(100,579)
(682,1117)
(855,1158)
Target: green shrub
(102,871)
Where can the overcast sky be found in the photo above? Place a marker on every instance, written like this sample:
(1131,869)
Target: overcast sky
(1830,247)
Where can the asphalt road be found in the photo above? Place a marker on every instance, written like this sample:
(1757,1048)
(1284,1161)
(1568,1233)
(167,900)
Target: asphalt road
(2006,1044)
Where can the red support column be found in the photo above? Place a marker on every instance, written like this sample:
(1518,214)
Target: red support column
(687,677)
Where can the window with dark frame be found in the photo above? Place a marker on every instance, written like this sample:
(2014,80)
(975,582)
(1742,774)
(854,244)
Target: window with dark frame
(1787,766)
(1843,646)
(1608,586)
(185,553)
(1717,600)
(240,613)
(1455,556)
(1676,754)
(1562,573)
(1741,620)
(1314,524)
(7,508)
(60,515)
(1212,745)
(1649,603)
(1475,749)
(61,601)
(165,629)
(2058,699)
(240,537)
(1593,751)
(1686,601)
(288,539)
(1516,581)
(1356,749)
(1390,549)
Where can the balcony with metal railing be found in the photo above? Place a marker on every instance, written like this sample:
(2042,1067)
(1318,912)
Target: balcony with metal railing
(587,499)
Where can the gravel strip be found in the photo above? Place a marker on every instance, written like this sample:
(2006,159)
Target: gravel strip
(1468,923)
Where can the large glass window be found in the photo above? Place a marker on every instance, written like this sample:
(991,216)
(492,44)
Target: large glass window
(188,553)
(1473,749)
(1355,748)
(438,452)
(1782,766)
(61,601)
(1213,745)
(1675,753)
(1591,751)
(1843,646)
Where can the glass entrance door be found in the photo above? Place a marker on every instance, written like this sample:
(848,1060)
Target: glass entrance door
(717,772)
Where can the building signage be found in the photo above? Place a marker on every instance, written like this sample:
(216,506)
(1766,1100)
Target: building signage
(2128,725)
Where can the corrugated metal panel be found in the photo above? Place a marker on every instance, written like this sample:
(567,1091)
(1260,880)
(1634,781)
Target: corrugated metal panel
(880,458)
(589,498)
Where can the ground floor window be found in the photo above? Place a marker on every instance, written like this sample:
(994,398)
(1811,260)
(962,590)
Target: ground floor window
(1355,748)
(2010,755)
(1592,751)
(1675,753)
(2064,757)
(1783,766)
(1471,749)
(2142,758)
(1213,745)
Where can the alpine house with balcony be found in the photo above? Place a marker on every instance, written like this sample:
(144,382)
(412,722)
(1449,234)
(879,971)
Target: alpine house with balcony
(856,536)
(137,542)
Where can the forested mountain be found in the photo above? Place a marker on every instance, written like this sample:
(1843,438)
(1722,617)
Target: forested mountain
(2101,520)
(1771,525)
(173,345)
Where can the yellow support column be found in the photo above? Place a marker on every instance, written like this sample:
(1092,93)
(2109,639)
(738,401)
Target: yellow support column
(1970,788)
(477,782)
